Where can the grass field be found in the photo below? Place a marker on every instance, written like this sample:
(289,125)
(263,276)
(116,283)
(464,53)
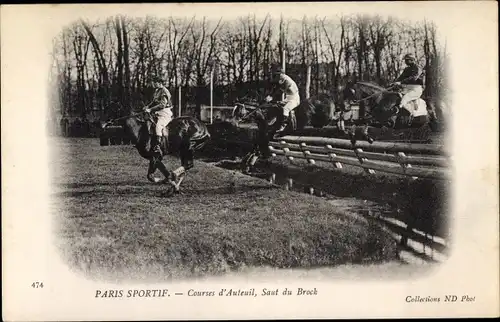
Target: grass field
(423,202)
(112,223)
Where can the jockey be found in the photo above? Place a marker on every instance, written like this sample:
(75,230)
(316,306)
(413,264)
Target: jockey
(291,91)
(411,79)
(162,109)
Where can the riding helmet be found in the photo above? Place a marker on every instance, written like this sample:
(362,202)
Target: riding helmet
(277,70)
(409,56)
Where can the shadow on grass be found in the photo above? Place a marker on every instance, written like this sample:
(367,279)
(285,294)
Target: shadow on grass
(79,185)
(156,190)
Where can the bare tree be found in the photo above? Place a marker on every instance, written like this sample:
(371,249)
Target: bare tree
(203,54)
(114,59)
(379,34)
(103,71)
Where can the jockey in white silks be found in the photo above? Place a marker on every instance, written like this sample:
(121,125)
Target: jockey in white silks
(163,111)
(292,99)
(412,83)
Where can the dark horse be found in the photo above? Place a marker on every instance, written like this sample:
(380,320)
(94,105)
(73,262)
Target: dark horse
(382,106)
(317,111)
(185,135)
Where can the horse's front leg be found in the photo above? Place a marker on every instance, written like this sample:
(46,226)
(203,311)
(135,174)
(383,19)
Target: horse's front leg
(366,135)
(151,170)
(163,169)
(245,162)
(341,124)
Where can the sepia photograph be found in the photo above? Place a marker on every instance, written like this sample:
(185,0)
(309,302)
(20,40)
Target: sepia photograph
(280,143)
(211,155)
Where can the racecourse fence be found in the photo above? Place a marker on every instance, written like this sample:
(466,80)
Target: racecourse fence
(414,160)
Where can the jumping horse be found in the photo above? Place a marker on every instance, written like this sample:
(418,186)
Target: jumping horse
(383,108)
(185,135)
(317,111)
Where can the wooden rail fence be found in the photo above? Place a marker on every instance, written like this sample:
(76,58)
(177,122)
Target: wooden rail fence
(414,160)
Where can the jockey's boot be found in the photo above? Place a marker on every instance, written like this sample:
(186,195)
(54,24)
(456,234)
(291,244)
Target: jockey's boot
(155,144)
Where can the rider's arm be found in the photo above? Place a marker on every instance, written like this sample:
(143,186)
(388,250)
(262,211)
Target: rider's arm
(154,108)
(161,99)
(156,96)
(166,98)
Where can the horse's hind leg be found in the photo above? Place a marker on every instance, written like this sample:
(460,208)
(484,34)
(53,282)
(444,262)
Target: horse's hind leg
(249,161)
(187,162)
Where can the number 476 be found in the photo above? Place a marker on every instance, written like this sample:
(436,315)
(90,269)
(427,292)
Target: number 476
(37,285)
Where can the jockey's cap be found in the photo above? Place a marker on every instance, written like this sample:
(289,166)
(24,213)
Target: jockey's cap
(409,56)
(277,70)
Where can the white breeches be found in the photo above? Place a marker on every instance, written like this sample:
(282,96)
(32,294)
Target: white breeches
(292,101)
(410,93)
(164,117)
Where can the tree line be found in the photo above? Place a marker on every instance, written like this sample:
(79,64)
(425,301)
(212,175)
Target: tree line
(96,63)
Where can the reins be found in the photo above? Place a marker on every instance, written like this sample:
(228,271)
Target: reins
(123,118)
(374,94)
(256,108)
(246,117)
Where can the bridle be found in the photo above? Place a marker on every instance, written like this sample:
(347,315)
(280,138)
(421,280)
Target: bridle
(248,115)
(112,121)
(387,89)
(378,92)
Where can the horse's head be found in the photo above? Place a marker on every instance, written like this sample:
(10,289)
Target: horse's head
(105,124)
(244,112)
(350,92)
(240,111)
(230,124)
(346,96)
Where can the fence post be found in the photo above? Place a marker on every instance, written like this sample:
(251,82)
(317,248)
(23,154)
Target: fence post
(283,67)
(306,153)
(362,159)
(272,178)
(286,150)
(211,95)
(180,100)
(332,156)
